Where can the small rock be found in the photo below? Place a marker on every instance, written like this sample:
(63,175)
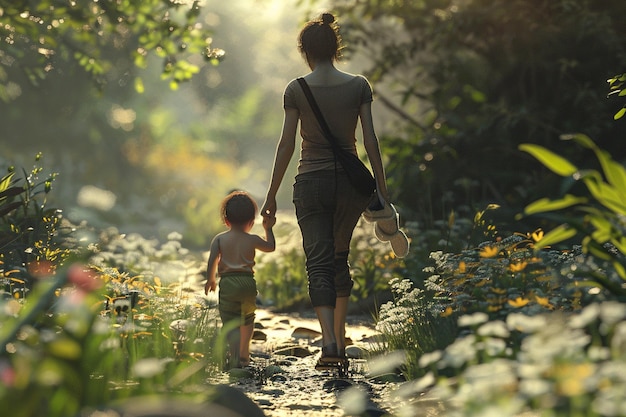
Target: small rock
(272,370)
(236,374)
(298,351)
(278,378)
(274,392)
(336,385)
(263,402)
(259,335)
(384,378)
(356,352)
(305,333)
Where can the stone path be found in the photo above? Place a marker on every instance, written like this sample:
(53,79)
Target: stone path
(283,381)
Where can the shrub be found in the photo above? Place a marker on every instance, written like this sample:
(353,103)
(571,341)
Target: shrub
(599,217)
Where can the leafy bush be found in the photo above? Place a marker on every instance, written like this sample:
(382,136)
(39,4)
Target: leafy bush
(31,241)
(600,216)
(554,364)
(105,318)
(408,324)
(71,345)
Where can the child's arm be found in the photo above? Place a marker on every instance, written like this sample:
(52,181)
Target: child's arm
(269,244)
(211,282)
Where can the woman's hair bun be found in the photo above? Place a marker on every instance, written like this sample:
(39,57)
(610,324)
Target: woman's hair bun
(327,18)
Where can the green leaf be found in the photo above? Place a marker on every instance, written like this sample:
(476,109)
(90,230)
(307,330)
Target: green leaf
(606,195)
(552,161)
(139,87)
(620,114)
(614,172)
(545,204)
(581,139)
(620,269)
(559,234)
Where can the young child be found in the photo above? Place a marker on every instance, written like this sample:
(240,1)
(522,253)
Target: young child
(232,258)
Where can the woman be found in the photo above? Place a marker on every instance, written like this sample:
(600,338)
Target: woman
(327,205)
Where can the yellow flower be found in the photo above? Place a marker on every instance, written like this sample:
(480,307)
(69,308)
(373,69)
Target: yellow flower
(537,235)
(482,283)
(543,301)
(518,302)
(462,267)
(518,266)
(571,378)
(489,252)
(448,311)
(498,290)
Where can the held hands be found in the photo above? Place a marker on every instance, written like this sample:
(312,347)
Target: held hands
(269,208)
(268,221)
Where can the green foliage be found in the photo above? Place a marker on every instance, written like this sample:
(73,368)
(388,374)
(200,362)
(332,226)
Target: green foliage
(501,330)
(470,81)
(408,324)
(508,275)
(598,216)
(30,240)
(616,85)
(551,364)
(37,36)
(90,334)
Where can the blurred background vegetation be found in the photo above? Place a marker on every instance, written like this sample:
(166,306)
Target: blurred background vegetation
(459,84)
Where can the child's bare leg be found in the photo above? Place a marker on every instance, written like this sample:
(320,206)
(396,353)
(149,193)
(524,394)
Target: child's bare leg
(234,340)
(245,333)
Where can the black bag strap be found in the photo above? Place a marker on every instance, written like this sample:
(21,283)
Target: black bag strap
(318,113)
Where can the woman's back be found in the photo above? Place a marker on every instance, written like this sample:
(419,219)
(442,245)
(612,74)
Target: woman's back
(339,96)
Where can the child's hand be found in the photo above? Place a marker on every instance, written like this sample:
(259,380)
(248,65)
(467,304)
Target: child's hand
(210,285)
(269,222)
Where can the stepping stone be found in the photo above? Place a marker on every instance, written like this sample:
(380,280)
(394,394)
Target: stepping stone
(259,335)
(297,351)
(272,370)
(305,333)
(336,384)
(236,374)
(356,352)
(278,378)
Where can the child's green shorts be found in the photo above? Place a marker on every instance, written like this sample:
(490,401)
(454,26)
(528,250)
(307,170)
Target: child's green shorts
(237,298)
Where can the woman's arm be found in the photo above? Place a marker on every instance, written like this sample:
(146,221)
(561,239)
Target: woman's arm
(284,152)
(370,141)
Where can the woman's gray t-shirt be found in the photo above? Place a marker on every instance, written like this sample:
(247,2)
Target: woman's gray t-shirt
(340,105)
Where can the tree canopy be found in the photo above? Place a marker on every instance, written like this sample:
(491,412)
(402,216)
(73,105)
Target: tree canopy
(36,36)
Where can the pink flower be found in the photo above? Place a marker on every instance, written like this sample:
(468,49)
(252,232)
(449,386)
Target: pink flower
(85,279)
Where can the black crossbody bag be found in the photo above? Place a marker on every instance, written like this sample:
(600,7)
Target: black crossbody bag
(358,174)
